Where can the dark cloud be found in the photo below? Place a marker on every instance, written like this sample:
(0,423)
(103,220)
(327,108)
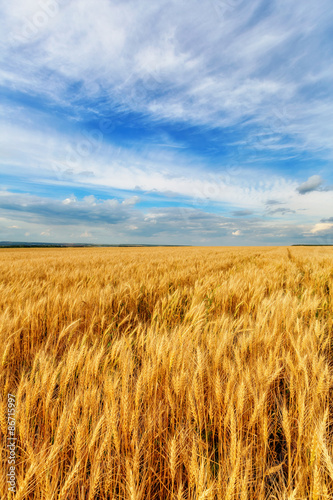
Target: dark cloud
(312,184)
(281,211)
(274,202)
(69,211)
(87,173)
(92,213)
(241,213)
(110,221)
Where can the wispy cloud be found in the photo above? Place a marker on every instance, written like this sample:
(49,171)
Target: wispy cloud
(249,67)
(222,107)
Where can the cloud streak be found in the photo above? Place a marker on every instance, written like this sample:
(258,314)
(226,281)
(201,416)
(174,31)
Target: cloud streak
(222,108)
(172,74)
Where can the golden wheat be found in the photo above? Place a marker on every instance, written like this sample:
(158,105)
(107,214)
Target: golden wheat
(179,373)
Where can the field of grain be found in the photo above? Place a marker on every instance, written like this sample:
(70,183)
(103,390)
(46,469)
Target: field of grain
(168,373)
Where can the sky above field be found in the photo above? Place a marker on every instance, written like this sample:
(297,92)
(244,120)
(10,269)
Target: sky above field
(167,122)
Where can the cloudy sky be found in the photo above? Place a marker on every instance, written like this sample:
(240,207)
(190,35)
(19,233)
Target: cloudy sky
(168,122)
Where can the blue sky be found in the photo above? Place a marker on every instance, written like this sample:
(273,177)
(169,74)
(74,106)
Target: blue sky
(201,123)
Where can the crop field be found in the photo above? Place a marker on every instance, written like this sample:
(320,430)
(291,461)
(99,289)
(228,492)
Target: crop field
(167,373)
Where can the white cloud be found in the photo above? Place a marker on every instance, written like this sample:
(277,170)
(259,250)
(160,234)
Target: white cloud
(320,227)
(151,170)
(90,200)
(265,69)
(85,235)
(131,201)
(177,62)
(41,153)
(118,223)
(70,200)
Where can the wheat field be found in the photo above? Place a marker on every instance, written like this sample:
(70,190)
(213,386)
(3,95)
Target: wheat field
(168,373)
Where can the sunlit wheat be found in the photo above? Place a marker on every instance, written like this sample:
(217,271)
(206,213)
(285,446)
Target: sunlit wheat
(178,373)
